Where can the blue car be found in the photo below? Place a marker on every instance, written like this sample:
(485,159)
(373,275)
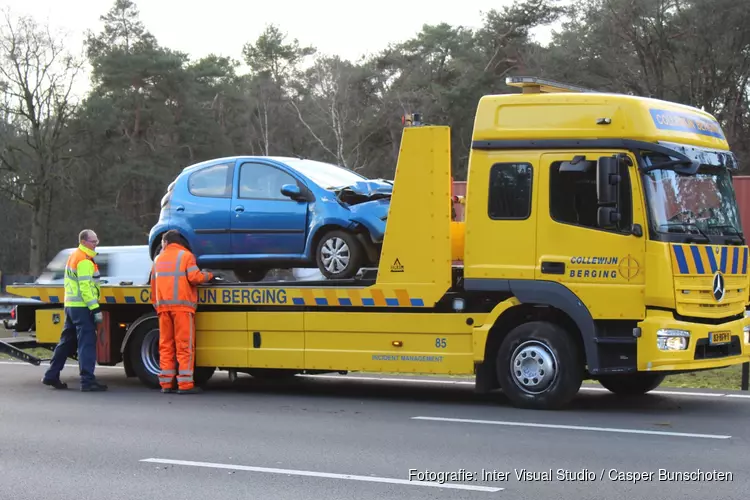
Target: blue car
(251,214)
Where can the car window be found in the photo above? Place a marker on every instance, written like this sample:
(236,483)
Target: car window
(102,262)
(261,181)
(212,182)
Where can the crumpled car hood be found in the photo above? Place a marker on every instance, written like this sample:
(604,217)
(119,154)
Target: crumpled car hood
(371,187)
(364,191)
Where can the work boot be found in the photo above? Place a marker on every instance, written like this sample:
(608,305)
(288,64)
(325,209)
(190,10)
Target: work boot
(192,390)
(56,384)
(94,387)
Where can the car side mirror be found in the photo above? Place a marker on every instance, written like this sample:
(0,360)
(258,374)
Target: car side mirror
(292,191)
(607,179)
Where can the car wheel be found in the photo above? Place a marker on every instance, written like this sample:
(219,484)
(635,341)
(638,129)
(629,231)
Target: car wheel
(250,275)
(339,255)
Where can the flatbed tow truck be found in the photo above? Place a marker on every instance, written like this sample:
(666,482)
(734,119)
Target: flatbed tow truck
(585,251)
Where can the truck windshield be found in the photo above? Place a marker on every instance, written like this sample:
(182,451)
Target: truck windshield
(703,203)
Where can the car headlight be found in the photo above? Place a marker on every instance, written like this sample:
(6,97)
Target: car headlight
(669,339)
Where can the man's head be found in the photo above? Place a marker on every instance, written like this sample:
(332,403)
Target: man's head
(88,238)
(173,236)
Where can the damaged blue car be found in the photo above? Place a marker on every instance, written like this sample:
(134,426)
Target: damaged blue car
(251,214)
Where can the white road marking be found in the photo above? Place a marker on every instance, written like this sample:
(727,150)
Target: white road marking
(350,477)
(574,427)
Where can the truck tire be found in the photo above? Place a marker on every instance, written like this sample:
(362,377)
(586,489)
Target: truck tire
(345,249)
(143,352)
(632,384)
(539,366)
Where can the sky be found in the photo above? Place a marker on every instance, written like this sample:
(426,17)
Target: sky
(224,26)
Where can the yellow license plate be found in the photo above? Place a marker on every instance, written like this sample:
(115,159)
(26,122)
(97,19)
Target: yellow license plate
(719,338)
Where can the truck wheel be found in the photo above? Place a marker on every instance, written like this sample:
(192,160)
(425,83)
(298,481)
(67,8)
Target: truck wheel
(143,352)
(631,385)
(539,366)
(339,255)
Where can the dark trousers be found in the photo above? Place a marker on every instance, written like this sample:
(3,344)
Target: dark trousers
(79,331)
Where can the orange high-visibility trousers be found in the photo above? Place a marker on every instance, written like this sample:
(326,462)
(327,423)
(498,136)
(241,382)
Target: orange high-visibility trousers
(176,336)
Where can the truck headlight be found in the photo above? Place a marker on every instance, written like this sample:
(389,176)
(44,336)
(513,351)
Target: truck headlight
(746,329)
(668,339)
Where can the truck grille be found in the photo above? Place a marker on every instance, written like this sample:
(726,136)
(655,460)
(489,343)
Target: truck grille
(694,296)
(695,268)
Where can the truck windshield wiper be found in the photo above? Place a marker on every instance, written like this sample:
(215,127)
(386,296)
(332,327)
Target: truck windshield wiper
(684,226)
(737,232)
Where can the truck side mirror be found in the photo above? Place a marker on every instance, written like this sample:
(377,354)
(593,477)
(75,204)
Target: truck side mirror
(607,217)
(607,179)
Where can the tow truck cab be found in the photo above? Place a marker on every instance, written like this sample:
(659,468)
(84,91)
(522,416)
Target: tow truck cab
(618,210)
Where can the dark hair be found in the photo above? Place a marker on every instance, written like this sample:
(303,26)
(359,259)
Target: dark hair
(174,236)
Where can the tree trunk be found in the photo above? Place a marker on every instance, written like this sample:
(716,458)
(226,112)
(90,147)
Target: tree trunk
(38,236)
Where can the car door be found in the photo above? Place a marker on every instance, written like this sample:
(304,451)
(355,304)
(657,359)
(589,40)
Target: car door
(264,221)
(206,209)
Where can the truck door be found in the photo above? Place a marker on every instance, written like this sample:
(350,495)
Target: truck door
(500,238)
(603,267)
(264,221)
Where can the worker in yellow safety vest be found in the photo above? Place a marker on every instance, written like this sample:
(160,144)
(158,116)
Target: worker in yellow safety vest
(82,315)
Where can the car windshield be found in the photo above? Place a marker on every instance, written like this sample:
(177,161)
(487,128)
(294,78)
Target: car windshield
(324,174)
(56,268)
(701,203)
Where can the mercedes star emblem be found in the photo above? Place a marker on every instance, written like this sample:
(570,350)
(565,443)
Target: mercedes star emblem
(718,286)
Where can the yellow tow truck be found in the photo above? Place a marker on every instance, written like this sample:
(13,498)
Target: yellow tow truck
(600,241)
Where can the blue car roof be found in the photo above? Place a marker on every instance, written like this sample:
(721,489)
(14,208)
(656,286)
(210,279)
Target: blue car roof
(213,161)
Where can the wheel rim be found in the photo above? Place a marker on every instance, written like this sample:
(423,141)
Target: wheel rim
(150,352)
(533,366)
(335,255)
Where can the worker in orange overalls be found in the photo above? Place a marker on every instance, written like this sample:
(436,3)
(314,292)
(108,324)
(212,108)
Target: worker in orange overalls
(174,280)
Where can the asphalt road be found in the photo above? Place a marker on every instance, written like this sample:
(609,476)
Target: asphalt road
(345,438)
